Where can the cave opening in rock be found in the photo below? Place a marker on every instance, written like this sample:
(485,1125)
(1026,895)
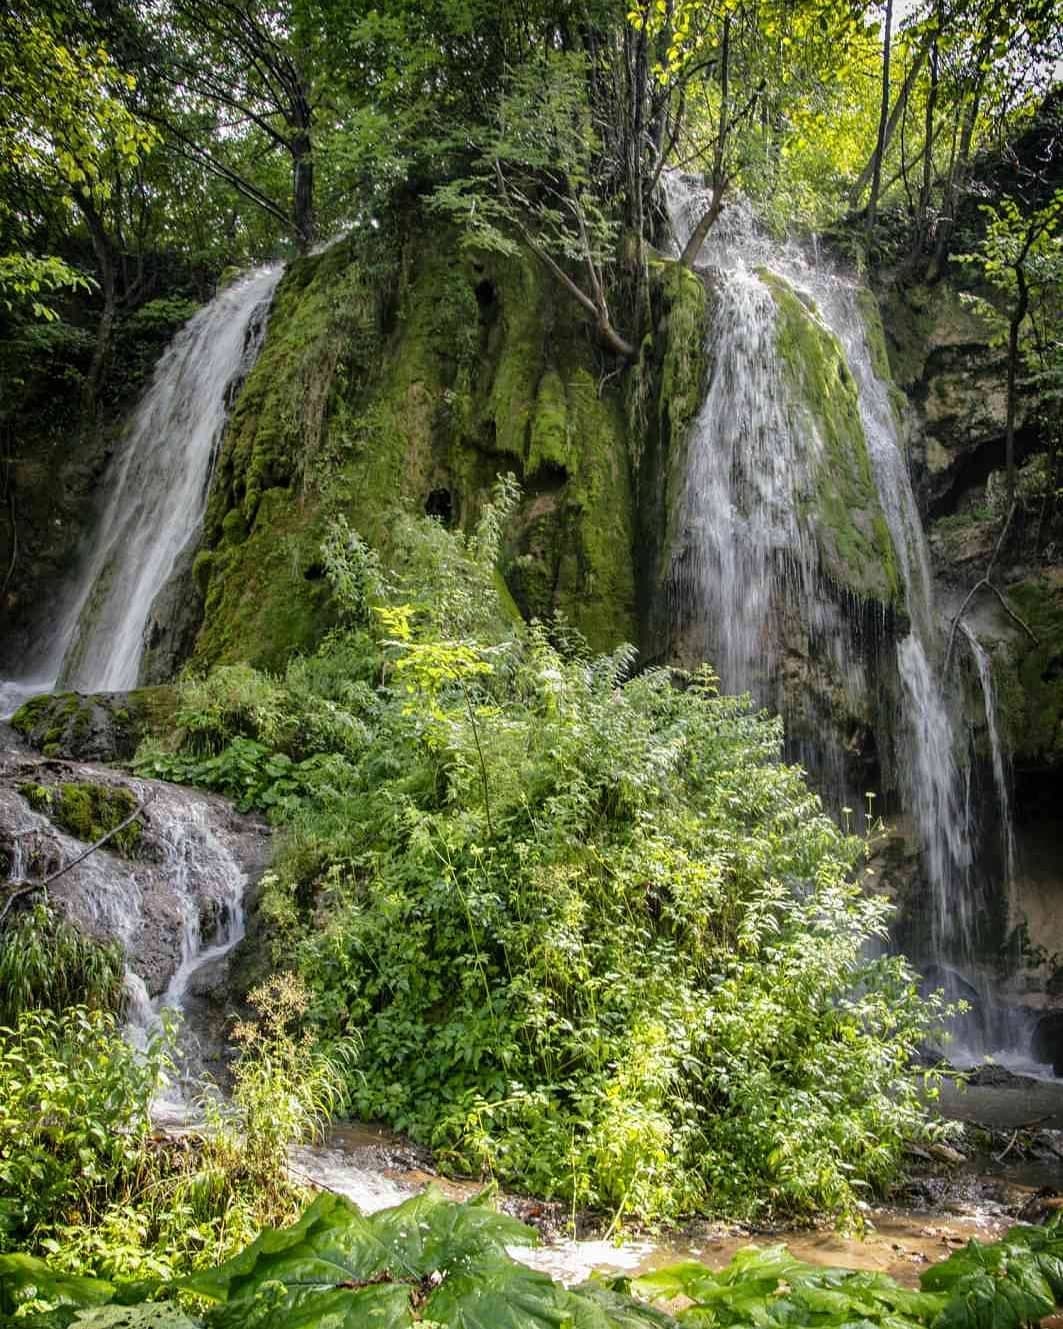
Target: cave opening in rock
(440,504)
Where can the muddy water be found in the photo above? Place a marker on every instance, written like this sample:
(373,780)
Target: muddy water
(376,1169)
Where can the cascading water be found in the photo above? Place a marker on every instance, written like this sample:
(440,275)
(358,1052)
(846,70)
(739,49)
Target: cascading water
(747,551)
(997,756)
(157,489)
(175,905)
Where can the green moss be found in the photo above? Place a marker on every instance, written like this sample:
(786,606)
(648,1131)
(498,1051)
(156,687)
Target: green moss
(38,796)
(876,333)
(549,444)
(1033,702)
(683,362)
(486,368)
(30,713)
(88,811)
(596,585)
(856,549)
(880,359)
(266,598)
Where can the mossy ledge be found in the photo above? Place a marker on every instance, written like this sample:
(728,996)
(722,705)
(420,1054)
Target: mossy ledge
(100,726)
(88,812)
(843,511)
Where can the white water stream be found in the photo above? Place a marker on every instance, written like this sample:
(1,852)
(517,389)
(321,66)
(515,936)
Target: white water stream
(156,492)
(748,554)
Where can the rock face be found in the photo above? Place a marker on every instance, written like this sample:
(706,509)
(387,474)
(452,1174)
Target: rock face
(954,377)
(101,726)
(391,380)
(165,888)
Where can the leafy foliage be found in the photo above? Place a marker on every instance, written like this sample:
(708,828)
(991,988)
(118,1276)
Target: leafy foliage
(74,1099)
(594,938)
(450,1265)
(47,962)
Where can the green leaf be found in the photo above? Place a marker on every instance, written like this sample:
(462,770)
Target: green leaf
(378,1306)
(333,1243)
(500,1294)
(25,1278)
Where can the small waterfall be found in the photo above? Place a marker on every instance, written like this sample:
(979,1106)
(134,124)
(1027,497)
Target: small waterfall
(746,560)
(746,554)
(176,906)
(998,758)
(157,487)
(935,796)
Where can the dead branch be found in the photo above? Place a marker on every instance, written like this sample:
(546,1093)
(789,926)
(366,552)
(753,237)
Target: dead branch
(985,582)
(43,885)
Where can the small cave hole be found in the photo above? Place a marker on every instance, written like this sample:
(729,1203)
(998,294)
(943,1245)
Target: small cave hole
(314,572)
(486,295)
(1047,1042)
(440,504)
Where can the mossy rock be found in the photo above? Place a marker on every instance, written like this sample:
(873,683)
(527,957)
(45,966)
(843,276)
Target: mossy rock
(468,367)
(88,812)
(101,726)
(1030,681)
(844,512)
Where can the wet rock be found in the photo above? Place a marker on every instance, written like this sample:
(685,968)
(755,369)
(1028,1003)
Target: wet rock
(100,726)
(998,1077)
(193,856)
(1041,1207)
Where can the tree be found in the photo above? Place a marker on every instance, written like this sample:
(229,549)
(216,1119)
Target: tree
(1022,258)
(230,87)
(67,135)
(534,182)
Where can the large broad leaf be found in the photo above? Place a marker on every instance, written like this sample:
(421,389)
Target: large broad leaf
(379,1306)
(685,1279)
(25,1278)
(501,1294)
(1046,1246)
(334,1243)
(624,1312)
(151,1315)
(331,1243)
(739,1292)
(429,1234)
(990,1287)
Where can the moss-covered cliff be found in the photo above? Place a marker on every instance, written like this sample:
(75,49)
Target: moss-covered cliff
(415,379)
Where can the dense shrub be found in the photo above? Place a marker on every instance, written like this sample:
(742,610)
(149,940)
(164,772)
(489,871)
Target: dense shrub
(596,939)
(74,1100)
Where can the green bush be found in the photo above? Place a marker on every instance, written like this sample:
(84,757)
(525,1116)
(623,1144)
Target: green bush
(596,940)
(74,1102)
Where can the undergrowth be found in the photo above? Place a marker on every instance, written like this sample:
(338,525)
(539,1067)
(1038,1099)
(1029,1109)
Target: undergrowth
(86,1179)
(595,938)
(48,962)
(430,1261)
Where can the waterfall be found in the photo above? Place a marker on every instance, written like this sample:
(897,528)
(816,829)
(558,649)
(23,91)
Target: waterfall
(998,758)
(748,554)
(176,906)
(156,488)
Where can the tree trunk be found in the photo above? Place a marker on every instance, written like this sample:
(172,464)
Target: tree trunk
(883,120)
(1014,327)
(697,237)
(692,248)
(303,191)
(896,115)
(105,266)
